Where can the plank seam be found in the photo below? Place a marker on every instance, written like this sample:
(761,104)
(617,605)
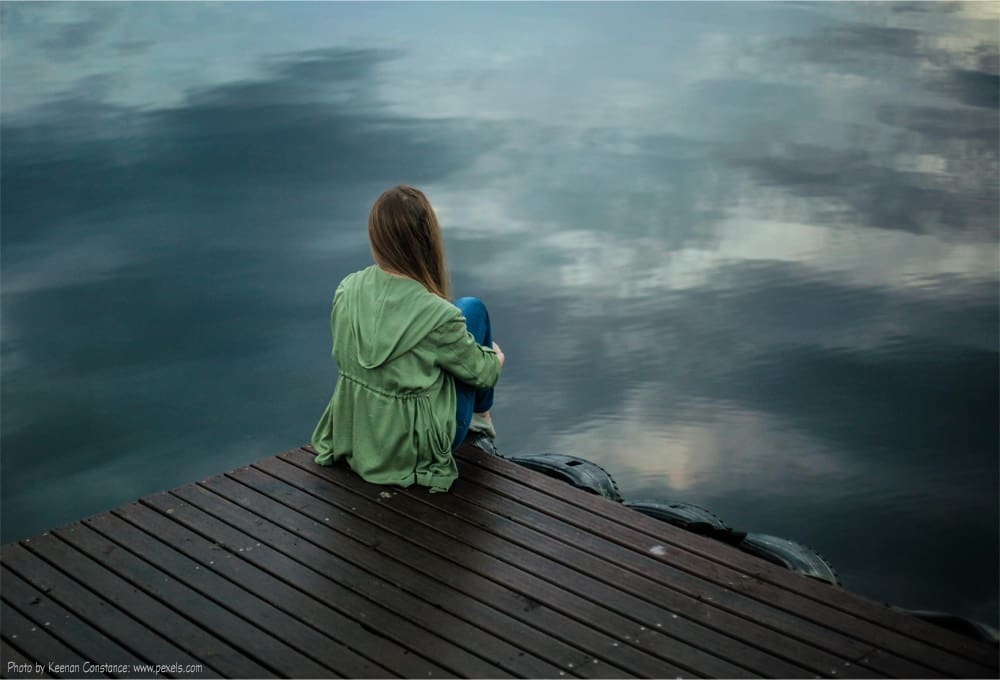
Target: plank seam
(661,581)
(763,575)
(45,632)
(105,639)
(568,565)
(290,584)
(637,591)
(613,662)
(556,584)
(48,631)
(269,571)
(17,650)
(369,571)
(163,602)
(205,563)
(217,600)
(434,575)
(306,565)
(127,614)
(443,583)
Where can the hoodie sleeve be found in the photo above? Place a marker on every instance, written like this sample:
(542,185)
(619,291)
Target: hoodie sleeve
(457,352)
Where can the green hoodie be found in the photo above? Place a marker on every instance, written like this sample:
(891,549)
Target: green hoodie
(399,350)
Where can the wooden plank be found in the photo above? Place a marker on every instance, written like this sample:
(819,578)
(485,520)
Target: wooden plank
(14,664)
(645,633)
(850,613)
(700,606)
(782,582)
(59,660)
(194,640)
(67,627)
(437,619)
(348,537)
(786,625)
(251,641)
(280,552)
(441,582)
(602,646)
(835,597)
(103,615)
(330,651)
(706,647)
(274,623)
(339,611)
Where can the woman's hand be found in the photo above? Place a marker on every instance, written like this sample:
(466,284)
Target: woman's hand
(496,348)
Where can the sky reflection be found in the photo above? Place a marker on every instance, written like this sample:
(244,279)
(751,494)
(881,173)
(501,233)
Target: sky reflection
(743,254)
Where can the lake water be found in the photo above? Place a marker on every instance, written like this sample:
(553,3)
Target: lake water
(741,255)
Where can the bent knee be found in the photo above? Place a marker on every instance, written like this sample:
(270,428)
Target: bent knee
(470,304)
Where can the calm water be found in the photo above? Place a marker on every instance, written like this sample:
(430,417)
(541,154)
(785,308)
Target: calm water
(741,255)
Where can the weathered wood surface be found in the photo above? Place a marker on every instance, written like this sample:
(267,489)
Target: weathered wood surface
(285,568)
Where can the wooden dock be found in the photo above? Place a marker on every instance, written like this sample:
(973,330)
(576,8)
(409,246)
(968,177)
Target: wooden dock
(286,568)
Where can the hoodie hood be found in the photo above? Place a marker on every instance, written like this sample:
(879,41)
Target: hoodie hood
(388,315)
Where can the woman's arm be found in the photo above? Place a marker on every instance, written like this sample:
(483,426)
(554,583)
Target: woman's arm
(457,352)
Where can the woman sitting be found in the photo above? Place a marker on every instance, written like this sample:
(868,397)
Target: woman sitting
(416,371)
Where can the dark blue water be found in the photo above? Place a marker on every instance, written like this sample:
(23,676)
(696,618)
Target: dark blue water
(740,255)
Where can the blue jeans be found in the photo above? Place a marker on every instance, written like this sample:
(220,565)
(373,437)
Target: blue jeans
(470,399)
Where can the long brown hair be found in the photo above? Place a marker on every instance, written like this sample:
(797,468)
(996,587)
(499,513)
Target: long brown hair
(406,238)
